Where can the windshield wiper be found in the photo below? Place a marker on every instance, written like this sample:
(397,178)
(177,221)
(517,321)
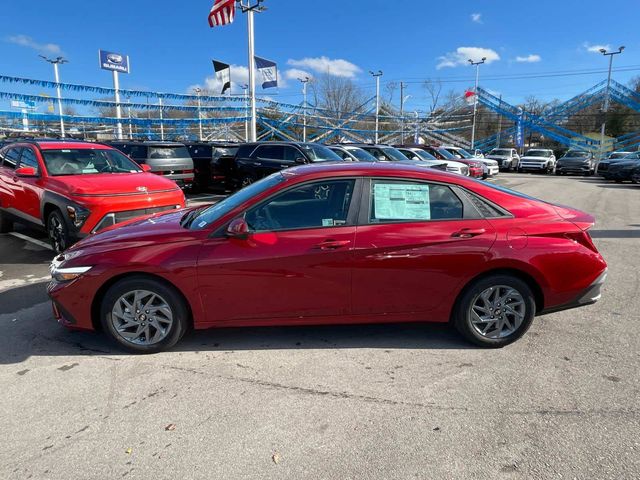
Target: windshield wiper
(188,219)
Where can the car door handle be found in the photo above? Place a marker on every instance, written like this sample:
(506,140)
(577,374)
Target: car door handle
(468,232)
(332,244)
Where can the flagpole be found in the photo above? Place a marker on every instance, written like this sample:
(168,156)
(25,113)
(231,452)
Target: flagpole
(249,9)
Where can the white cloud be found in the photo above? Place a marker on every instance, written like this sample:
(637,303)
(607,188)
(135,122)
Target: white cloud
(476,17)
(531,58)
(462,55)
(296,73)
(337,67)
(26,41)
(596,48)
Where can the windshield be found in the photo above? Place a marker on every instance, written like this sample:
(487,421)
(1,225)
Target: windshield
(423,155)
(225,152)
(446,153)
(500,151)
(320,153)
(394,154)
(538,153)
(85,161)
(361,154)
(206,217)
(576,153)
(168,152)
(618,155)
(464,153)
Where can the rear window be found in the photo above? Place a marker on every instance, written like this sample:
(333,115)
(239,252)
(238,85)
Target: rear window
(168,152)
(320,153)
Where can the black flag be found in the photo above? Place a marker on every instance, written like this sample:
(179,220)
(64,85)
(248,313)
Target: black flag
(223,74)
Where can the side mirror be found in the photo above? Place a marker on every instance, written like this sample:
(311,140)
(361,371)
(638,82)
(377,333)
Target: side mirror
(300,160)
(238,228)
(26,172)
(145,167)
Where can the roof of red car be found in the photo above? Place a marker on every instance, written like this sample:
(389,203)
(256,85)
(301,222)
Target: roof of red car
(372,169)
(71,145)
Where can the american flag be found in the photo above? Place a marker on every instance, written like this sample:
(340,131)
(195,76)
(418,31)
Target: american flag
(222,12)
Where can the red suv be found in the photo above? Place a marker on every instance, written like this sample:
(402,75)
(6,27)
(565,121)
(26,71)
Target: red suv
(77,188)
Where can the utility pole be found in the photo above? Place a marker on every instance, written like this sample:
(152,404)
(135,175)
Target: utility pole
(475,100)
(55,62)
(304,81)
(246,112)
(161,120)
(377,76)
(605,108)
(499,127)
(198,90)
(249,9)
(402,113)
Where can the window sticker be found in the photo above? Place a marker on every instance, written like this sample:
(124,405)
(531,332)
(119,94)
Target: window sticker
(393,201)
(328,222)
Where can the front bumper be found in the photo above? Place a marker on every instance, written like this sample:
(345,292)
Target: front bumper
(575,168)
(620,175)
(533,165)
(587,297)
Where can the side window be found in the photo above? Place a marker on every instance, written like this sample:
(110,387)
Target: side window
(271,152)
(11,158)
(312,205)
(376,152)
(29,159)
(400,201)
(138,152)
(410,155)
(343,155)
(291,153)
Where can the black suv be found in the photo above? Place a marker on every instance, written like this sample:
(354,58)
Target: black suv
(257,160)
(170,159)
(214,164)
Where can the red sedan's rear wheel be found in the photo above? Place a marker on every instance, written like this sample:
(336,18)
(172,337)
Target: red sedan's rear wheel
(144,315)
(6,225)
(495,311)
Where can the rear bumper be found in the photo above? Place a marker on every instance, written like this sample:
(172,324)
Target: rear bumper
(587,297)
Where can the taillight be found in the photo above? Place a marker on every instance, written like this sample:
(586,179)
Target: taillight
(583,238)
(187,171)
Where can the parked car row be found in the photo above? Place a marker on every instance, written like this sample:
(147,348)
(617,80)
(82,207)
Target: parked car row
(621,167)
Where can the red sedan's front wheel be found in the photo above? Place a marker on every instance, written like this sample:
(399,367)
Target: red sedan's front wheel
(495,311)
(144,315)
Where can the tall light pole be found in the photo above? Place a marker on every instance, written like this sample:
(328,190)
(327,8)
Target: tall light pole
(304,81)
(249,9)
(377,76)
(198,90)
(55,62)
(475,100)
(246,112)
(605,108)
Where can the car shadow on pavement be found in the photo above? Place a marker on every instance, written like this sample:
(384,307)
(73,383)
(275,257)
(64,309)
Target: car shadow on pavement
(34,332)
(614,233)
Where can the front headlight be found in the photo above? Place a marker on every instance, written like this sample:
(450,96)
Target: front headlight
(67,274)
(78,215)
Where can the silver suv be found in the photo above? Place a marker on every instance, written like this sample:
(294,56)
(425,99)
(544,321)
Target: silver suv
(507,158)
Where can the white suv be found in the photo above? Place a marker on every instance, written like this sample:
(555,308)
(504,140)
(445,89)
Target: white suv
(538,159)
(507,158)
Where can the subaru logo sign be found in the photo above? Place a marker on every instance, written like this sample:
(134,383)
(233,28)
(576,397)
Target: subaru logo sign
(113,61)
(114,58)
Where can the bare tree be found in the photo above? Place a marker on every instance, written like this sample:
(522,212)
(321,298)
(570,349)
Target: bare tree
(339,95)
(391,88)
(434,89)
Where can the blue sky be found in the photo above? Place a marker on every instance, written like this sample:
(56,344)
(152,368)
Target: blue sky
(170,43)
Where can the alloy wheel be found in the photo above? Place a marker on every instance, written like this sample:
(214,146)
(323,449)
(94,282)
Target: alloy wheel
(142,317)
(497,312)
(57,234)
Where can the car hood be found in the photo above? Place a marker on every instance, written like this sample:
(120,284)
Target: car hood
(625,163)
(109,184)
(574,159)
(497,157)
(148,230)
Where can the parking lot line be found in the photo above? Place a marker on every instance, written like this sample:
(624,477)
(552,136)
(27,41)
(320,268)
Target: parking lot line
(32,240)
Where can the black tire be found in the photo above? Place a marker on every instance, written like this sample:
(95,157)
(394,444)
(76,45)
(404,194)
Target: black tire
(166,293)
(462,310)
(6,225)
(58,232)
(635,179)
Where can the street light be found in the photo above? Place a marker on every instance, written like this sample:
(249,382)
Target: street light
(198,90)
(55,62)
(475,99)
(605,108)
(304,81)
(377,76)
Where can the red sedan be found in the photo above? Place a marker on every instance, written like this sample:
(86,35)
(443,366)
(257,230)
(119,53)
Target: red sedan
(334,244)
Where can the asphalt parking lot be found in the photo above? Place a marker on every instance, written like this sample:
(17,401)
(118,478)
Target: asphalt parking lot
(333,402)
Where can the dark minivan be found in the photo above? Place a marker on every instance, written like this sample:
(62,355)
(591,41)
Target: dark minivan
(214,164)
(257,160)
(169,159)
